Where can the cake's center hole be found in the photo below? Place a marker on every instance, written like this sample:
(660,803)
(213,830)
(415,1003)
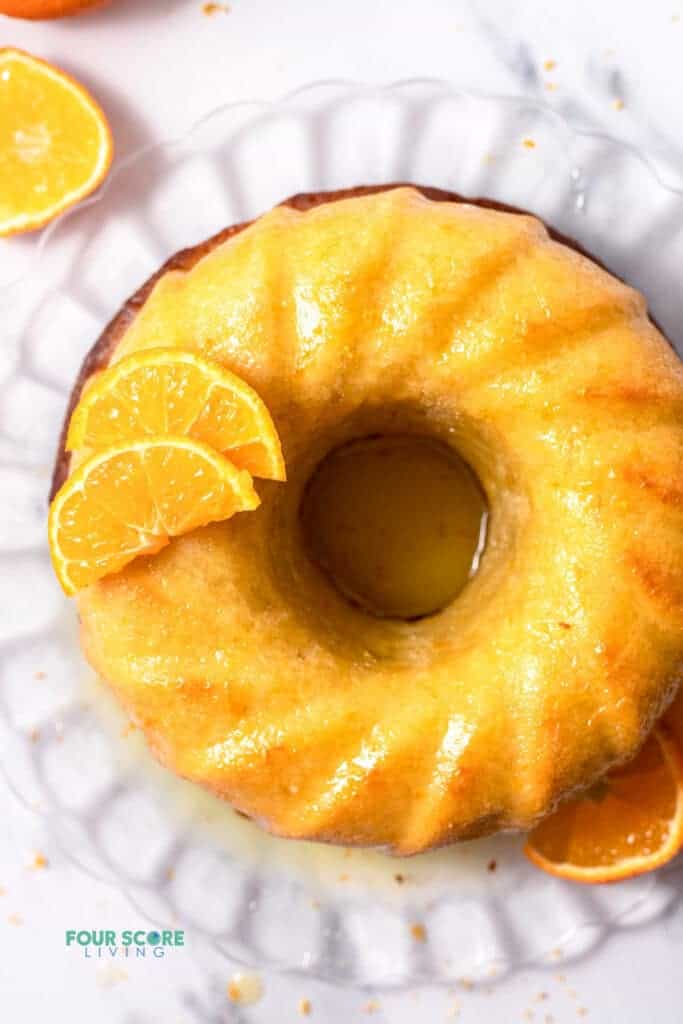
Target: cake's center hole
(398,524)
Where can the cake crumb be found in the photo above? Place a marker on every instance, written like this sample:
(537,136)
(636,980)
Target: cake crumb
(529,143)
(39,861)
(40,675)
(550,86)
(110,975)
(399,878)
(582,1011)
(210,9)
(305,1007)
(15,919)
(372,1006)
(169,874)
(549,65)
(492,865)
(618,104)
(343,877)
(244,989)
(541,997)
(467,984)
(34,735)
(418,932)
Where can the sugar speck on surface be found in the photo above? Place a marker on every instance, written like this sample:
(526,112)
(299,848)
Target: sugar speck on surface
(529,143)
(210,9)
(244,989)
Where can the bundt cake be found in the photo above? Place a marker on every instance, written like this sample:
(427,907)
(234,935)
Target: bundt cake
(408,313)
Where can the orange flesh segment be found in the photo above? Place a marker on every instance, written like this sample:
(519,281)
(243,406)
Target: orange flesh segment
(170,391)
(55,143)
(628,824)
(131,499)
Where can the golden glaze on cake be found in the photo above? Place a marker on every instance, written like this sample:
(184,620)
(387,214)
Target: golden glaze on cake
(391,313)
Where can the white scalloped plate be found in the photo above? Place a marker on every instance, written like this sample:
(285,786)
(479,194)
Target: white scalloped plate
(180,854)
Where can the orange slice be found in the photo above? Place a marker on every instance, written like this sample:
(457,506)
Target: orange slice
(37,9)
(169,391)
(55,143)
(129,500)
(629,824)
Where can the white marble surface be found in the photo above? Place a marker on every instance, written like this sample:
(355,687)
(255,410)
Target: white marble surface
(157,65)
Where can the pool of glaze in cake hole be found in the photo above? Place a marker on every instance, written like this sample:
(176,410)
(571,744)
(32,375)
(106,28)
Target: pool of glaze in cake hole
(397,523)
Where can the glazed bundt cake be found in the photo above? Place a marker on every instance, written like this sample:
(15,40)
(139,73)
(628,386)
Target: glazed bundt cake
(406,313)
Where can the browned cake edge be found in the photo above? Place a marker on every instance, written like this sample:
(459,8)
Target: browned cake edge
(99,355)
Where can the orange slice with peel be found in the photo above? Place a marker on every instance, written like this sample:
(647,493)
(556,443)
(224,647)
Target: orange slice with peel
(55,143)
(130,499)
(629,824)
(171,391)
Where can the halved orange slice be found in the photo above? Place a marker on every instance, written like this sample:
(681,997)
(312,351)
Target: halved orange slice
(129,500)
(629,824)
(171,391)
(55,143)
